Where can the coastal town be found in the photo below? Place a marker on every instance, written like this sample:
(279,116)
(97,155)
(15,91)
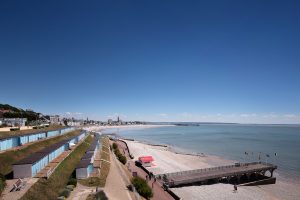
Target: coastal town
(150,100)
(74,159)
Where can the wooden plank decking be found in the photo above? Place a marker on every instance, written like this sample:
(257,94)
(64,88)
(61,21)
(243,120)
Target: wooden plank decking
(201,175)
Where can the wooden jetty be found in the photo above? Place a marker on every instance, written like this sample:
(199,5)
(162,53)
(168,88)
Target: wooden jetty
(217,174)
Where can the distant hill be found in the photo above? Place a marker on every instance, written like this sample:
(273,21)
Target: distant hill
(8,111)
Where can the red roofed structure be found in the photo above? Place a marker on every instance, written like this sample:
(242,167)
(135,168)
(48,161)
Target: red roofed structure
(146,161)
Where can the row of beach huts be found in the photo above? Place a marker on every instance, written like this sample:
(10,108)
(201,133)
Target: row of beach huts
(86,164)
(44,162)
(34,163)
(7,143)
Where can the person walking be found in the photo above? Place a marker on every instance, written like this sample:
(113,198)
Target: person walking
(235,188)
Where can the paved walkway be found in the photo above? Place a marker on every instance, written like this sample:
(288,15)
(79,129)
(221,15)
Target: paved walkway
(115,187)
(158,192)
(7,195)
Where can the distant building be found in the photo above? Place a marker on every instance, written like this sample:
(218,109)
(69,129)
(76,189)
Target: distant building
(14,121)
(54,119)
(110,121)
(74,123)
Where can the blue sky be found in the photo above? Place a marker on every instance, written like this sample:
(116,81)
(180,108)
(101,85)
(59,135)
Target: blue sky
(228,61)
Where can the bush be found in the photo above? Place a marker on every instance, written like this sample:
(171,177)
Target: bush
(65,193)
(61,198)
(115,146)
(120,156)
(122,159)
(99,195)
(72,181)
(70,187)
(142,187)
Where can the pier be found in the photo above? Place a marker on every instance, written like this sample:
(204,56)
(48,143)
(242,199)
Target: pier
(232,173)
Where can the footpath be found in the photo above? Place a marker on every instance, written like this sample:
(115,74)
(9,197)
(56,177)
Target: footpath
(116,184)
(158,192)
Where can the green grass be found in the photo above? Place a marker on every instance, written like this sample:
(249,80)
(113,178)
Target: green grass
(105,166)
(16,133)
(48,189)
(12,156)
(2,183)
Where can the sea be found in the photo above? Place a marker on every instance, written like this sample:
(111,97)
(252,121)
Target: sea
(276,144)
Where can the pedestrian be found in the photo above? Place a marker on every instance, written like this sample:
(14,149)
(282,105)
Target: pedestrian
(146,177)
(152,184)
(235,188)
(154,179)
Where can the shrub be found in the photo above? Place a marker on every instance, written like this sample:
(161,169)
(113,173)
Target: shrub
(72,181)
(70,187)
(119,155)
(60,198)
(65,193)
(142,187)
(122,159)
(99,195)
(115,146)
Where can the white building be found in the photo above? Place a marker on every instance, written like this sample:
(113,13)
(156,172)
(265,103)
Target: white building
(54,119)
(14,121)
(73,123)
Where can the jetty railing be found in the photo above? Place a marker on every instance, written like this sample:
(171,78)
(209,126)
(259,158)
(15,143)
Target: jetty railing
(211,169)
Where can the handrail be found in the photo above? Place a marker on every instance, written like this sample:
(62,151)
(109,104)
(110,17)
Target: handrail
(213,169)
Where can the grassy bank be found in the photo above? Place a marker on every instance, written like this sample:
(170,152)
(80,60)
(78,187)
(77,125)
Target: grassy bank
(48,189)
(10,157)
(105,166)
(20,132)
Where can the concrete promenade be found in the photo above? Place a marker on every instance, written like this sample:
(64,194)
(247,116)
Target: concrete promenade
(158,192)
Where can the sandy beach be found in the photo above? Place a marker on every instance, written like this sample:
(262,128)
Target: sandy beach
(140,126)
(169,161)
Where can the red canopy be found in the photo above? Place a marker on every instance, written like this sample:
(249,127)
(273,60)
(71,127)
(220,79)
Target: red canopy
(146,159)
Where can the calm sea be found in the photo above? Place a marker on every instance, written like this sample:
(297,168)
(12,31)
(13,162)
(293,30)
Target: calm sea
(231,141)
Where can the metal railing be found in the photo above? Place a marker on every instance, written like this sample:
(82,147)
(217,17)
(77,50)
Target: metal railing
(211,169)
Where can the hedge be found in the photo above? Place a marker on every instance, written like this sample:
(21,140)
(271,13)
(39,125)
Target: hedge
(142,187)
(120,156)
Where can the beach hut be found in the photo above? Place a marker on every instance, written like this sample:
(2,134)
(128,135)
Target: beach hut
(84,169)
(146,161)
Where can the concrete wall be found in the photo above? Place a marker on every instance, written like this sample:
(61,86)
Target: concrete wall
(22,171)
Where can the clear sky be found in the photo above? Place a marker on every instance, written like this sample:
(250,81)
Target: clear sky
(153,60)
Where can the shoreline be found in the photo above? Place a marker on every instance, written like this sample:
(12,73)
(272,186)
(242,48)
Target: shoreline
(171,159)
(166,161)
(139,126)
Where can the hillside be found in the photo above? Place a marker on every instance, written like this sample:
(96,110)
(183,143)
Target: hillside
(8,111)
